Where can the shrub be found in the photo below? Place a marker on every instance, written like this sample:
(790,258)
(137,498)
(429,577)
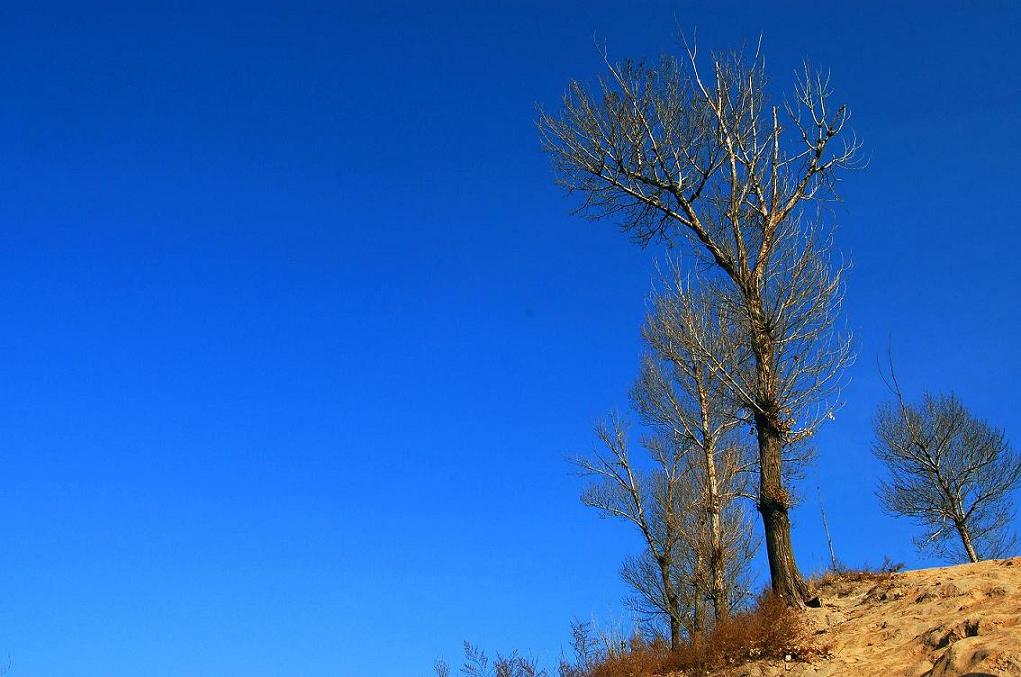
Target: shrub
(769,630)
(640,658)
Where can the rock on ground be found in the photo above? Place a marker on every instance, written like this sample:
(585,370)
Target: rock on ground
(944,622)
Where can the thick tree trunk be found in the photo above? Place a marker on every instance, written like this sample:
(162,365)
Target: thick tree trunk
(969,548)
(774,505)
(774,501)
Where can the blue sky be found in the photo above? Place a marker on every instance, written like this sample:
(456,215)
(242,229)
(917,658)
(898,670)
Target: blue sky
(297,330)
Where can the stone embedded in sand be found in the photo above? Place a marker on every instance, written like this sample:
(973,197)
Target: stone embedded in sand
(887,625)
(943,635)
(974,656)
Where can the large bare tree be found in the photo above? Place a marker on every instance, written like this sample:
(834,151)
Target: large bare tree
(950,471)
(675,156)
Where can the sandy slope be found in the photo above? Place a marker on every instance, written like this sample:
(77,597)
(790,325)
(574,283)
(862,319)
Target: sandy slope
(960,620)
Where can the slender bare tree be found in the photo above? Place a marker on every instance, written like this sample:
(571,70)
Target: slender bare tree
(948,470)
(675,594)
(654,501)
(681,395)
(690,574)
(670,154)
(683,499)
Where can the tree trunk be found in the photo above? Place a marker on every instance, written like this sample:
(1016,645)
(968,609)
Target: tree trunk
(717,576)
(673,603)
(774,505)
(697,602)
(969,548)
(717,561)
(697,620)
(774,502)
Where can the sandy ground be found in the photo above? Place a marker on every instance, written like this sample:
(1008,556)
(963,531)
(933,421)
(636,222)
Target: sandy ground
(960,620)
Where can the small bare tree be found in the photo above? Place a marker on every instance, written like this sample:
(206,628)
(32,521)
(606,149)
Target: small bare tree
(698,539)
(690,573)
(672,155)
(654,501)
(950,471)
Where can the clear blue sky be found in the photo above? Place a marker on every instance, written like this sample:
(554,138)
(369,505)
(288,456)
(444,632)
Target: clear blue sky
(297,330)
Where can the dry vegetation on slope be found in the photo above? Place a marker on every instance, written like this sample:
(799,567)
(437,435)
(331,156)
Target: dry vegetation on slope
(943,622)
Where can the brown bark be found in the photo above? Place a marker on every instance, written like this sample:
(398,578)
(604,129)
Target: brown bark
(675,633)
(774,505)
(672,601)
(697,613)
(774,501)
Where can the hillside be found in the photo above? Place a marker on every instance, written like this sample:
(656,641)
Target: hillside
(942,622)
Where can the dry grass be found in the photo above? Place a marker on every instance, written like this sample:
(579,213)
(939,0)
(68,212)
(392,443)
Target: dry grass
(769,630)
(841,581)
(642,658)
(915,617)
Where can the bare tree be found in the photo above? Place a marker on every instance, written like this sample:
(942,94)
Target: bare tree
(690,574)
(950,471)
(681,394)
(698,540)
(653,501)
(586,651)
(670,154)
